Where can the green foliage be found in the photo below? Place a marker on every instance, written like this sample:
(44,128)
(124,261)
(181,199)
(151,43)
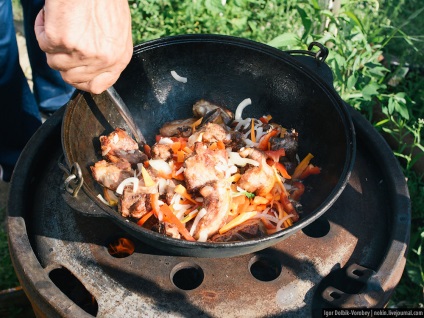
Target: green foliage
(8,278)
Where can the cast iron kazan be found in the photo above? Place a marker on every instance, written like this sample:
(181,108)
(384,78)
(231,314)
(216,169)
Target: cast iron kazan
(224,70)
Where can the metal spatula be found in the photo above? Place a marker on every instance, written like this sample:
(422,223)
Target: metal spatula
(125,113)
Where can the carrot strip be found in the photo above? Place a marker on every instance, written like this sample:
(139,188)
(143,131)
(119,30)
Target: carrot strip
(288,206)
(181,190)
(302,166)
(145,218)
(176,146)
(220,144)
(154,202)
(171,218)
(300,189)
(261,207)
(180,156)
(196,123)
(148,181)
(263,143)
(280,167)
(237,221)
(235,177)
(280,209)
(243,207)
(213,146)
(265,119)
(260,200)
(252,131)
(310,169)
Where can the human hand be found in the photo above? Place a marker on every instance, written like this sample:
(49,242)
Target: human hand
(88,41)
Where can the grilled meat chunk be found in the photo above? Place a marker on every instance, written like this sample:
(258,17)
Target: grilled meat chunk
(220,114)
(210,133)
(134,204)
(111,174)
(217,200)
(201,167)
(178,128)
(260,179)
(119,145)
(161,151)
(237,142)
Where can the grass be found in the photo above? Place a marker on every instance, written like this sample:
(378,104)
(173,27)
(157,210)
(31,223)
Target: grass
(8,278)
(376,54)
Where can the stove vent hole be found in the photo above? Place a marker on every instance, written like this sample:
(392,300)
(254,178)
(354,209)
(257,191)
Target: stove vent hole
(335,295)
(318,228)
(74,290)
(121,247)
(264,268)
(187,276)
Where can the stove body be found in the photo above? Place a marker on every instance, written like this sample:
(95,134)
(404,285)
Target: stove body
(352,257)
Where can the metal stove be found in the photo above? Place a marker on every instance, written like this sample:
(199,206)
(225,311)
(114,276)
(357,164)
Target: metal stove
(352,257)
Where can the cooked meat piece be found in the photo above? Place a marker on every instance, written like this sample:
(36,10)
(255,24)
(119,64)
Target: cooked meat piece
(210,133)
(288,143)
(200,168)
(178,128)
(161,151)
(237,141)
(252,228)
(217,200)
(203,108)
(110,175)
(260,179)
(133,204)
(132,156)
(117,140)
(119,145)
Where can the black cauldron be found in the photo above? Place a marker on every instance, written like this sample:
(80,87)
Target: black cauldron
(224,70)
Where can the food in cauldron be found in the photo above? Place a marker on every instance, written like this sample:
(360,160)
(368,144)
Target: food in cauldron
(214,177)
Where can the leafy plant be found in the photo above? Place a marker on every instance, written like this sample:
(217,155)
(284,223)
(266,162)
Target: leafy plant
(8,277)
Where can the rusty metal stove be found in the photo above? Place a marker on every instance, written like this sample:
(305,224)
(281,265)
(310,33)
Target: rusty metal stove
(352,257)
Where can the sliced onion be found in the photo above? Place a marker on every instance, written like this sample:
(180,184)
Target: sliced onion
(179,171)
(127,181)
(161,166)
(162,184)
(178,77)
(238,160)
(240,107)
(199,215)
(100,197)
(280,223)
(165,141)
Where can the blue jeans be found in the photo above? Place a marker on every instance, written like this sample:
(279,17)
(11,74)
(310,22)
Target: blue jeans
(19,107)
